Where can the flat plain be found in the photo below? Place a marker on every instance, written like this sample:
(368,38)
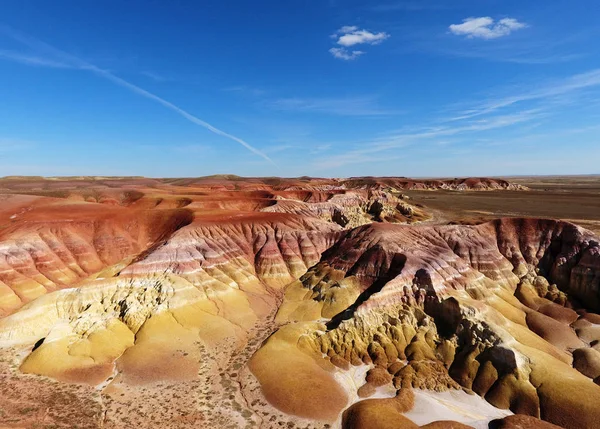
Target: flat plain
(572,198)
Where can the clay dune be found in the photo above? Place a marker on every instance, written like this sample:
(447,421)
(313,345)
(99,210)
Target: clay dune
(312,303)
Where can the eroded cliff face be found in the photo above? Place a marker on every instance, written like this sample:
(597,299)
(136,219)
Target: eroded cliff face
(142,289)
(490,309)
(49,246)
(66,231)
(298,304)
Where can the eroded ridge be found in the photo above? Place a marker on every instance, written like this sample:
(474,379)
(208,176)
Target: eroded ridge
(223,302)
(59,232)
(499,310)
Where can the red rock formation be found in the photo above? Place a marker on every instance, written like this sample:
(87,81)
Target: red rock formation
(451,289)
(48,246)
(59,232)
(275,248)
(165,284)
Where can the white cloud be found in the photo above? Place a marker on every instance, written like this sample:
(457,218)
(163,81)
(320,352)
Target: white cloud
(357,37)
(346,29)
(345,54)
(486,28)
(351,35)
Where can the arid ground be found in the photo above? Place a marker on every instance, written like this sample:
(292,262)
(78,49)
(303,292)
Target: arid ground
(226,302)
(572,198)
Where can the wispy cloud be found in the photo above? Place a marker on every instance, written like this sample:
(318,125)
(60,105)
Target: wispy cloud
(550,90)
(192,148)
(32,60)
(351,35)
(401,139)
(518,114)
(154,76)
(517,54)
(347,106)
(486,28)
(180,148)
(10,145)
(304,146)
(320,148)
(345,54)
(75,62)
(280,148)
(537,45)
(246,90)
(354,157)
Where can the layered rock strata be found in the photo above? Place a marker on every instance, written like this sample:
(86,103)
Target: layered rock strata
(222,302)
(498,309)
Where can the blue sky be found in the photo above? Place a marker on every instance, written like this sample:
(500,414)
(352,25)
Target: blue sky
(301,87)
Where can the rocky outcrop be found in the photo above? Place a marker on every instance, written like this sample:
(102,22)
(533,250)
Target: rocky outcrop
(60,232)
(486,308)
(53,247)
(228,273)
(271,247)
(352,209)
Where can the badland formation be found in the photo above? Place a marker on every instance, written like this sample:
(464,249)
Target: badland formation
(226,302)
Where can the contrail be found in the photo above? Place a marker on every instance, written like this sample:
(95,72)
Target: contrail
(78,63)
